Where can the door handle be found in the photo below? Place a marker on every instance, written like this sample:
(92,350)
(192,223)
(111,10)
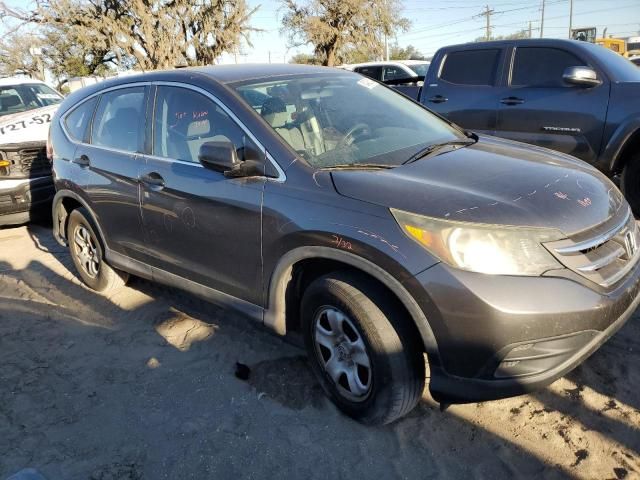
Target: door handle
(153,180)
(512,101)
(82,160)
(438,99)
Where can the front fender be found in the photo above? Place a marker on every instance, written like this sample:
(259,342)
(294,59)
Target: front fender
(275,319)
(611,160)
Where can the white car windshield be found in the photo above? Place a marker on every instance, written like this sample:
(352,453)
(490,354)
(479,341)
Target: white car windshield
(345,119)
(27,96)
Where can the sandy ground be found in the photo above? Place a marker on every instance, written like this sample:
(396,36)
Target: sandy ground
(142,385)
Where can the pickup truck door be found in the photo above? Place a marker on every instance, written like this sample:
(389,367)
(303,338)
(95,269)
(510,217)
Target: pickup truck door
(538,107)
(464,86)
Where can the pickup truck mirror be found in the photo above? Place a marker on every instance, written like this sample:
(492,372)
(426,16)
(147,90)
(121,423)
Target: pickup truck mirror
(583,76)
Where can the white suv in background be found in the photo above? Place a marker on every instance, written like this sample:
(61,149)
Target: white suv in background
(391,70)
(26,109)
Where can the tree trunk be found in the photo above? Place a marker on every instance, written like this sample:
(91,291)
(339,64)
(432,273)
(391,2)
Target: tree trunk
(330,58)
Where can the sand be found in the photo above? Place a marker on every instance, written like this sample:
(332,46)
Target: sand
(142,385)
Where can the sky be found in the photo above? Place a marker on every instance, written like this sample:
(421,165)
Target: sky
(436,23)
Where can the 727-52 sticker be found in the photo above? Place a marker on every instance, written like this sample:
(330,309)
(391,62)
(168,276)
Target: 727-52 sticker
(22,124)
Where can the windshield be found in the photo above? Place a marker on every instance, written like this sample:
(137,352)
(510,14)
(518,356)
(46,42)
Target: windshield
(345,119)
(419,68)
(24,97)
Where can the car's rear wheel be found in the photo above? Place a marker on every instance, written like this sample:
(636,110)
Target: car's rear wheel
(88,255)
(630,183)
(360,348)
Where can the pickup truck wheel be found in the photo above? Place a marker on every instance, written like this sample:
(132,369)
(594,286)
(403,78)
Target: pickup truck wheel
(365,361)
(630,183)
(88,257)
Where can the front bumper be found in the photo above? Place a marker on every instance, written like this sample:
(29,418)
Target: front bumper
(24,199)
(501,336)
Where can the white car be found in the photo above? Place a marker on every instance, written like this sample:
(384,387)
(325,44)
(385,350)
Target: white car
(391,70)
(26,109)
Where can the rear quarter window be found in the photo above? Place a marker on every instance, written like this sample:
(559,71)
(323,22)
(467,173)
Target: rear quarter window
(471,67)
(77,121)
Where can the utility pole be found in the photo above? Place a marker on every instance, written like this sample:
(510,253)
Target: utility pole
(529,28)
(570,17)
(542,21)
(487,13)
(386,47)
(269,56)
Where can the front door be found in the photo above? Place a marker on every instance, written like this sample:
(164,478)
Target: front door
(538,107)
(201,225)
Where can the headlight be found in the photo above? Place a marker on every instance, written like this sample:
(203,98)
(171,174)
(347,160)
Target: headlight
(483,248)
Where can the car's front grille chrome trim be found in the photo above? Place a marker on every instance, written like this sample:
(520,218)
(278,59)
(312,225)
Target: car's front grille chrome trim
(604,258)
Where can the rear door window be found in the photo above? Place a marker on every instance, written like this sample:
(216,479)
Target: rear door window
(393,73)
(371,72)
(471,67)
(78,120)
(119,120)
(541,66)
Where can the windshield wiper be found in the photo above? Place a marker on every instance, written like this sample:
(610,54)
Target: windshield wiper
(436,147)
(358,166)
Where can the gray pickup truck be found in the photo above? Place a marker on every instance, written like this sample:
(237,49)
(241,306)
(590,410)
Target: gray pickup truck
(571,96)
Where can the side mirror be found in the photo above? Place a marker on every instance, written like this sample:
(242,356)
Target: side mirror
(582,76)
(222,157)
(219,156)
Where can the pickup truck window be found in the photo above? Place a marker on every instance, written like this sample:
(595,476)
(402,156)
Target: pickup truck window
(24,97)
(371,72)
(527,69)
(393,73)
(471,67)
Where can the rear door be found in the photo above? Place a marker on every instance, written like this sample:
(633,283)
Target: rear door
(199,224)
(112,165)
(466,87)
(538,107)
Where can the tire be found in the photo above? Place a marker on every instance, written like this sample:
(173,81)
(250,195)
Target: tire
(91,267)
(630,183)
(342,312)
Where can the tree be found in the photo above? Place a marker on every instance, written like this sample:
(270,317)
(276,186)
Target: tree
(305,59)
(16,55)
(408,53)
(154,33)
(334,26)
(524,33)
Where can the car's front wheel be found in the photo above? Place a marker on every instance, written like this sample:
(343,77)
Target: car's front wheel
(360,348)
(88,255)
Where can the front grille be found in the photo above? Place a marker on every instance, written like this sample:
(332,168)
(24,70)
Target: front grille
(26,161)
(603,255)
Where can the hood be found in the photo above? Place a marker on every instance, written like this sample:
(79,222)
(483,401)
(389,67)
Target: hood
(29,126)
(493,181)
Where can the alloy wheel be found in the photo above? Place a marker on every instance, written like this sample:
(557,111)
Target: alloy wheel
(87,251)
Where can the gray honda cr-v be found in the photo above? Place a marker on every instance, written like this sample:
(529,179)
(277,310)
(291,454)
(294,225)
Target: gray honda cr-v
(337,212)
